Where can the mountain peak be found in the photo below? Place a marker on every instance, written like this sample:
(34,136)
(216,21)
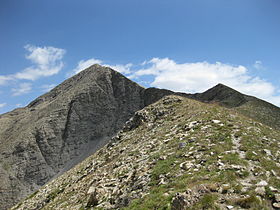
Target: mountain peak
(222,87)
(84,79)
(222,94)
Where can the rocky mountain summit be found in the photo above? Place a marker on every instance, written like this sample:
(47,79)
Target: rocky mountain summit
(83,117)
(61,128)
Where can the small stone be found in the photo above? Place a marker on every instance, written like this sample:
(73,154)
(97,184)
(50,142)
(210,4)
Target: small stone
(186,165)
(277,197)
(260,191)
(268,152)
(91,190)
(166,140)
(273,189)
(273,173)
(179,201)
(262,183)
(92,199)
(255,153)
(216,121)
(191,140)
(162,182)
(276,205)
(162,157)
(244,189)
(230,207)
(224,188)
(182,144)
(165,194)
(192,124)
(116,191)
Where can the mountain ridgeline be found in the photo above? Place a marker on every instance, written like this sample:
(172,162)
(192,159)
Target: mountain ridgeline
(61,128)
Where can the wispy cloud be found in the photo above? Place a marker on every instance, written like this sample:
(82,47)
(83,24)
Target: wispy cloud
(83,64)
(2,105)
(18,105)
(46,88)
(258,65)
(5,79)
(124,69)
(197,77)
(22,88)
(46,62)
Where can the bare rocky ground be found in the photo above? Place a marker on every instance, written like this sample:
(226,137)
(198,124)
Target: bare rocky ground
(174,154)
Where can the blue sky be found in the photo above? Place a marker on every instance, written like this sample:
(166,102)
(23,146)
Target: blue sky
(183,45)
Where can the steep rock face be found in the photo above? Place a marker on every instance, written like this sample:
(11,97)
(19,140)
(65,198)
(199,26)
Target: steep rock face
(61,128)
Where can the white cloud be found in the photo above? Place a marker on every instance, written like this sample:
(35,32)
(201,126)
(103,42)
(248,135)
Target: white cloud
(2,105)
(124,69)
(46,60)
(47,88)
(83,64)
(194,77)
(23,88)
(198,77)
(258,65)
(4,79)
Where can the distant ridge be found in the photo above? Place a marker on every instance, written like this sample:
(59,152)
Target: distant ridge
(249,106)
(223,95)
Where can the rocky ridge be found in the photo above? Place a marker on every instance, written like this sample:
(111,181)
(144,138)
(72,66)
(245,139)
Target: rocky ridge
(249,106)
(174,154)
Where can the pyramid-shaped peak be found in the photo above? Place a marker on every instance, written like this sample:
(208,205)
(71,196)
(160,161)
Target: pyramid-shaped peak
(222,94)
(96,76)
(222,86)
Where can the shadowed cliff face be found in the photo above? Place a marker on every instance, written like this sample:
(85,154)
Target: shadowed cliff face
(61,128)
